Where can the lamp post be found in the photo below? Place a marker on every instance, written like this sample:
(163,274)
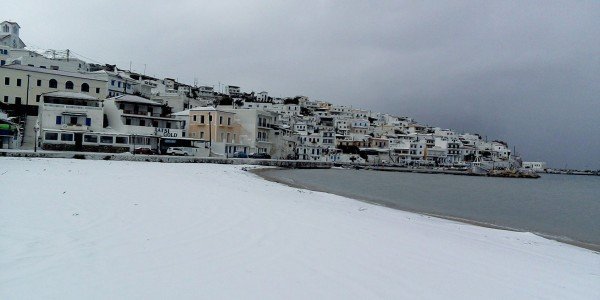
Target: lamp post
(209,134)
(37,130)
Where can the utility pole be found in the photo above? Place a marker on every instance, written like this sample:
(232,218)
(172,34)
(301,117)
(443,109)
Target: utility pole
(209,134)
(27,97)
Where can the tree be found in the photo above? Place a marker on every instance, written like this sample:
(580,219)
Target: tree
(166,110)
(291,101)
(470,157)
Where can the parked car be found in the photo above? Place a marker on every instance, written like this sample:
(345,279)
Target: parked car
(144,150)
(176,151)
(260,156)
(240,154)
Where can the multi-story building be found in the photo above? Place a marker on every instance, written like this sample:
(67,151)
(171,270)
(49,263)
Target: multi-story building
(117,83)
(23,86)
(143,120)
(359,127)
(256,129)
(74,122)
(219,128)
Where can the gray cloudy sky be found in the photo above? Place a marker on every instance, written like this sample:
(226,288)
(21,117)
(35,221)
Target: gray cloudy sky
(527,72)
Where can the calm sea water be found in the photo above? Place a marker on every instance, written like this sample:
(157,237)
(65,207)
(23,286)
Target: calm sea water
(560,206)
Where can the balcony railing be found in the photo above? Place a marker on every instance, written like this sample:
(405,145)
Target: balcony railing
(74,127)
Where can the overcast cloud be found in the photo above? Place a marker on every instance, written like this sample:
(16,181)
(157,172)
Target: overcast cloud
(527,72)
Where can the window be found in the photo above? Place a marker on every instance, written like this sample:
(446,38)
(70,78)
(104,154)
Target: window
(17,100)
(88,122)
(201,134)
(168,124)
(220,120)
(2,62)
(18,82)
(53,83)
(228,136)
(194,117)
(222,136)
(127,121)
(39,82)
(69,85)
(228,121)
(90,138)
(5,98)
(54,68)
(119,84)
(142,123)
(202,119)
(51,136)
(85,88)
(106,139)
(97,90)
(37,98)
(6,80)
(58,120)
(67,137)
(121,140)
(112,82)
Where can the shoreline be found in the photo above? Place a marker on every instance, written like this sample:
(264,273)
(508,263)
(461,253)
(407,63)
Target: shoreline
(261,172)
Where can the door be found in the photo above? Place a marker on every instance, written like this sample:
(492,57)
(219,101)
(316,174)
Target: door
(78,141)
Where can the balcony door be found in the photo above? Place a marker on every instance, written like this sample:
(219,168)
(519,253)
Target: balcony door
(78,141)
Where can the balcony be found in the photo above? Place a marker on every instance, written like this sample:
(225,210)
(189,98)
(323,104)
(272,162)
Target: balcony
(74,127)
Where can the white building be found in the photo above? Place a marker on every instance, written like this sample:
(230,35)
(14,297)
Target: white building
(537,166)
(262,97)
(256,129)
(74,122)
(143,120)
(9,35)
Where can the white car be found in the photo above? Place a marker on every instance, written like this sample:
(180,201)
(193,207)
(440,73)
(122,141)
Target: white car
(176,151)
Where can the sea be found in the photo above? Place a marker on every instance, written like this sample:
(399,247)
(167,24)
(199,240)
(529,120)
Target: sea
(561,207)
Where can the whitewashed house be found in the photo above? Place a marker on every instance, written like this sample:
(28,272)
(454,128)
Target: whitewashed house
(74,122)
(143,120)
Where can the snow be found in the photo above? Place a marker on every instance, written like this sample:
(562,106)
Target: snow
(81,229)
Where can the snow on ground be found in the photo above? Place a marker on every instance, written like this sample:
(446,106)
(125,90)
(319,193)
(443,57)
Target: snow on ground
(77,229)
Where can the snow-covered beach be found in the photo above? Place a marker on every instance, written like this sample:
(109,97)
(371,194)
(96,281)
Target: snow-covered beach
(79,229)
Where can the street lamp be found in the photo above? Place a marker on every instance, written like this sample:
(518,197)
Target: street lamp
(37,130)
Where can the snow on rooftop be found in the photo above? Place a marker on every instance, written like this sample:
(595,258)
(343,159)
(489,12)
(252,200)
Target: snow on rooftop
(70,95)
(122,230)
(135,99)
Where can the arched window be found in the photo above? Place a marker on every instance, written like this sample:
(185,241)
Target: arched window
(69,85)
(52,84)
(85,87)
(5,28)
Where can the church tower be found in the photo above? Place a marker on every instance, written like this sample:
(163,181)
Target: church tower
(9,35)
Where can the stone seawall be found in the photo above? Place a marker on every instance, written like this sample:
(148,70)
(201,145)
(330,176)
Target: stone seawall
(297,164)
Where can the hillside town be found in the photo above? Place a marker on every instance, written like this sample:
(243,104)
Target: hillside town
(53,100)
